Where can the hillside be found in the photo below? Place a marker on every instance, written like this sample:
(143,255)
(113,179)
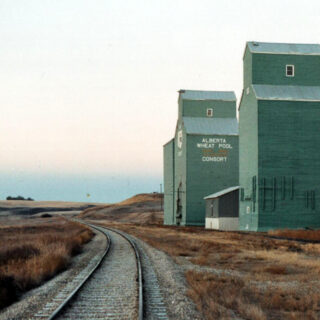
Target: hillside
(144,208)
(22,207)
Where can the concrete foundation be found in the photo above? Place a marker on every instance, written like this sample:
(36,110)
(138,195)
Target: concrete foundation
(227,224)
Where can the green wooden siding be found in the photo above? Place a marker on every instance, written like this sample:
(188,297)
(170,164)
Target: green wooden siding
(248,161)
(289,162)
(271,69)
(180,169)
(206,177)
(168,182)
(221,109)
(247,68)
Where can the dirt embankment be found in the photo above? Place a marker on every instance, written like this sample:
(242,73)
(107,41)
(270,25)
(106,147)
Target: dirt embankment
(21,207)
(143,208)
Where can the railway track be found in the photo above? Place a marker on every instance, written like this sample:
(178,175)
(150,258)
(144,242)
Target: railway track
(111,287)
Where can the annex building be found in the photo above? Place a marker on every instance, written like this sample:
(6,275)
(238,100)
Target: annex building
(279,143)
(203,156)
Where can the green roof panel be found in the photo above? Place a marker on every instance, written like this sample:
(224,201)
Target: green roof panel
(284,48)
(292,93)
(221,193)
(207,95)
(218,126)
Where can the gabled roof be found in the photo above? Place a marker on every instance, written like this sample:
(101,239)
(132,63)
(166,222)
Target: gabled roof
(222,192)
(284,48)
(291,93)
(218,126)
(207,95)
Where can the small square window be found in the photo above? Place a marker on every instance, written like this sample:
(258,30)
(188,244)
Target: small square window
(209,112)
(290,70)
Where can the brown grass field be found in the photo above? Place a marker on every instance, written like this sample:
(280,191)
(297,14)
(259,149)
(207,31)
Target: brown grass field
(34,250)
(231,274)
(246,275)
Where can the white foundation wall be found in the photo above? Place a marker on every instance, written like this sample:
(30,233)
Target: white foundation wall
(229,224)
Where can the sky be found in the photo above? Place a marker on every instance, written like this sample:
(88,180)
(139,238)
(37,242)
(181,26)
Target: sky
(89,88)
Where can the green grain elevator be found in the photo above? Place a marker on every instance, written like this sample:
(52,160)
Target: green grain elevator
(203,156)
(279,127)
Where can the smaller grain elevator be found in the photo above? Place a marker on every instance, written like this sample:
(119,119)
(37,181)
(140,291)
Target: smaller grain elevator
(203,157)
(279,137)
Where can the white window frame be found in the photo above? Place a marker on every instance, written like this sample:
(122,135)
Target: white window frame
(210,112)
(290,75)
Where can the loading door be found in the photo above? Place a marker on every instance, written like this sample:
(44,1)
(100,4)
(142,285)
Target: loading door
(179,205)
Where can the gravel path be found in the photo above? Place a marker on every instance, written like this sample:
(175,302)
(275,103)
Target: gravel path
(35,300)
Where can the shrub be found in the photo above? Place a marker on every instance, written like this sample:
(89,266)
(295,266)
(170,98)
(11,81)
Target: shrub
(8,290)
(46,215)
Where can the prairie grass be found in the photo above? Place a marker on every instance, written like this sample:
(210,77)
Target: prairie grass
(216,296)
(36,251)
(223,297)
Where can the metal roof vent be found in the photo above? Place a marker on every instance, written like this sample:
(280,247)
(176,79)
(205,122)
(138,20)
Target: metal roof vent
(256,44)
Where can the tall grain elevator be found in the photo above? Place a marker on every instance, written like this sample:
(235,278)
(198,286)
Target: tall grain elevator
(279,140)
(203,156)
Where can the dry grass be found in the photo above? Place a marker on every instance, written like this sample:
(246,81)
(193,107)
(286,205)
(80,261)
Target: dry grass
(216,296)
(267,278)
(222,297)
(35,252)
(297,234)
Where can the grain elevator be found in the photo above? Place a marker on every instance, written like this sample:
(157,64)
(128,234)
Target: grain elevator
(203,156)
(279,127)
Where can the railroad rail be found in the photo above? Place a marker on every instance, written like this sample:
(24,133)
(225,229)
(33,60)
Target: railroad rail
(95,286)
(112,286)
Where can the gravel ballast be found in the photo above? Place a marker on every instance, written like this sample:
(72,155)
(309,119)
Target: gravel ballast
(172,284)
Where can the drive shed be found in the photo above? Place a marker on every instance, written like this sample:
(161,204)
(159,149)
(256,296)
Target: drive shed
(222,209)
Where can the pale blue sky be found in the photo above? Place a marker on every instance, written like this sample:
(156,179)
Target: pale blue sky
(89,88)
